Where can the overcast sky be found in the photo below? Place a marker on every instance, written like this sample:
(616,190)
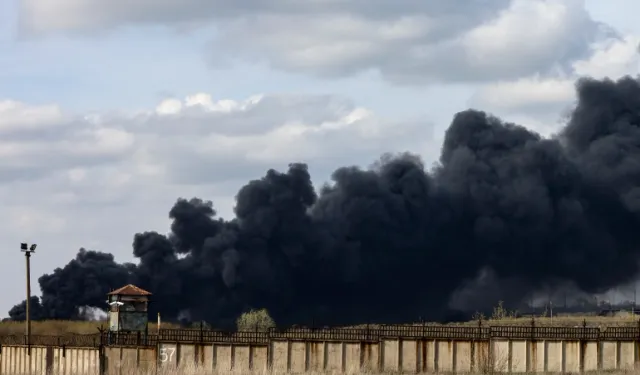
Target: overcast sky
(110,110)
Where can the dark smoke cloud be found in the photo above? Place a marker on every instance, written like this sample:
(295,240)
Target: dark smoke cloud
(396,241)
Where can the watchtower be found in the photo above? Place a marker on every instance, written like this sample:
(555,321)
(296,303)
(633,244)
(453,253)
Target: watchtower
(128,309)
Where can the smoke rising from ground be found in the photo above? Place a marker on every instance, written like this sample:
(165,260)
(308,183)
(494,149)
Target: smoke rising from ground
(397,241)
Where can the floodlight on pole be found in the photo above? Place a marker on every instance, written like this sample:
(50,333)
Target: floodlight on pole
(27,250)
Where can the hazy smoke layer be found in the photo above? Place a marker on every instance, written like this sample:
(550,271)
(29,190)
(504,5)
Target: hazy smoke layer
(395,242)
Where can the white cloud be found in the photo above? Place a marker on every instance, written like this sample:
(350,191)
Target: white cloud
(407,41)
(18,117)
(77,174)
(29,220)
(539,33)
(214,140)
(611,58)
(169,107)
(104,157)
(520,94)
(39,140)
(541,102)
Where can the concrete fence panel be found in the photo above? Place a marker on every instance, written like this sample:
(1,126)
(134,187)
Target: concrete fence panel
(120,360)
(409,349)
(46,360)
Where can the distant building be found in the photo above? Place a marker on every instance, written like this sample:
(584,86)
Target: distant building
(128,309)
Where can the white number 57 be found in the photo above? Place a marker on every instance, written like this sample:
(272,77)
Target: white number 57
(166,354)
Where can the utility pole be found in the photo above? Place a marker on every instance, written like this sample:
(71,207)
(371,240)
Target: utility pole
(27,250)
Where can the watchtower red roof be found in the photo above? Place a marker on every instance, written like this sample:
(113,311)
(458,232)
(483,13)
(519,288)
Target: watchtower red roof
(129,290)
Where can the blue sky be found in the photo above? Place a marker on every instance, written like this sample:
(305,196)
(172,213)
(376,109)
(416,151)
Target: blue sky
(105,118)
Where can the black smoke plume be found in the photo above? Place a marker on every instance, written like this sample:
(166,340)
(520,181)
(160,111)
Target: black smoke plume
(396,241)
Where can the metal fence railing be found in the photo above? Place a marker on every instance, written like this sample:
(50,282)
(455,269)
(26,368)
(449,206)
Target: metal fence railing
(89,341)
(377,333)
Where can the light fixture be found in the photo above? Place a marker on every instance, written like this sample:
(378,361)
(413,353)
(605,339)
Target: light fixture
(24,247)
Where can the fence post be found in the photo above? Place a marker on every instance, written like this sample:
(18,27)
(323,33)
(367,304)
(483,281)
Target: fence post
(102,368)
(638,338)
(584,328)
(367,332)
(533,328)
(490,363)
(201,332)
(583,345)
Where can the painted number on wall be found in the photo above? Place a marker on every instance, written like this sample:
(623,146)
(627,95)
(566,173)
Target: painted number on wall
(166,354)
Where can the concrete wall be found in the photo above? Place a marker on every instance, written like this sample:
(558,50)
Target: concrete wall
(14,360)
(409,356)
